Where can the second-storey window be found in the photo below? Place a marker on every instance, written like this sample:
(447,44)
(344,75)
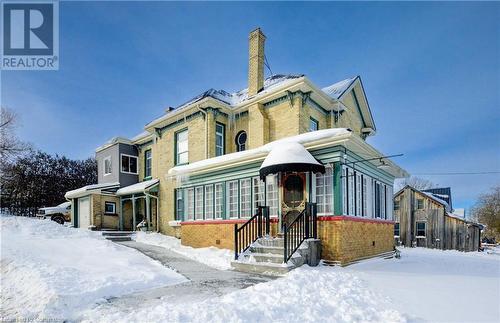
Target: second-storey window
(107,165)
(129,164)
(220,138)
(241,141)
(420,204)
(313,124)
(147,163)
(181,147)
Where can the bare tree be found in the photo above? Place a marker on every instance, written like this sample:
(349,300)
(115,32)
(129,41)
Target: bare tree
(10,145)
(487,212)
(415,182)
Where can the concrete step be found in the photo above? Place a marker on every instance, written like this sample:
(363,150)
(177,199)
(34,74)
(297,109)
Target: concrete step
(116,233)
(270,269)
(265,249)
(271,242)
(119,238)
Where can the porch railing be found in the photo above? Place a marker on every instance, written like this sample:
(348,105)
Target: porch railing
(303,227)
(256,227)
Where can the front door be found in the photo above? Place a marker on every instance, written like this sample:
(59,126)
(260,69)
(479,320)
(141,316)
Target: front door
(294,196)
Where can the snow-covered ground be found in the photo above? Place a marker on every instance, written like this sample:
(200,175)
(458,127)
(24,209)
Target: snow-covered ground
(436,285)
(52,271)
(213,257)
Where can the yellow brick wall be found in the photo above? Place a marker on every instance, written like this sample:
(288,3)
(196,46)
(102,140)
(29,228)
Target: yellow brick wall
(284,119)
(342,240)
(101,220)
(350,240)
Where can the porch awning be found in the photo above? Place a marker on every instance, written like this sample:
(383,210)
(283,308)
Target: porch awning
(138,187)
(94,188)
(290,157)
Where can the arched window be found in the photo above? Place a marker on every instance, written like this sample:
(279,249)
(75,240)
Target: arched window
(241,141)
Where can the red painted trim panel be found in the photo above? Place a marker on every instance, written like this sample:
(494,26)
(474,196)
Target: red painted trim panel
(352,218)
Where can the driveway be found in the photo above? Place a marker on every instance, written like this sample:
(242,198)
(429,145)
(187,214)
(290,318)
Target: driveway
(204,281)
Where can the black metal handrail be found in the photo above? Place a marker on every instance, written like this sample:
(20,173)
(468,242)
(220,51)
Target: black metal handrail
(251,230)
(303,227)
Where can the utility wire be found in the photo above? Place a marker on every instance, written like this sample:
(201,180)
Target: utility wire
(266,62)
(458,173)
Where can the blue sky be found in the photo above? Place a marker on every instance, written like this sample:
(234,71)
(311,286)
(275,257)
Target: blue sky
(431,72)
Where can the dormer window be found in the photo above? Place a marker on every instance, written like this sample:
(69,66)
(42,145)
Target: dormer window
(241,141)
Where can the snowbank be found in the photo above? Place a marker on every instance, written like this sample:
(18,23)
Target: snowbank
(320,294)
(52,271)
(211,256)
(436,285)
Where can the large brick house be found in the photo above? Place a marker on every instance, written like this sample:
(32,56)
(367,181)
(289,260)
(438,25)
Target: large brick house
(198,170)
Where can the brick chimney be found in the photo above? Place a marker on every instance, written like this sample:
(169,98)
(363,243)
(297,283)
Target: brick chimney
(256,41)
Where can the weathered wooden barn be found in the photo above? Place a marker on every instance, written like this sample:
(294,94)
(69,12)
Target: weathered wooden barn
(425,219)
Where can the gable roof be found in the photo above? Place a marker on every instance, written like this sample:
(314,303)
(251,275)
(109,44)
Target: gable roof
(427,194)
(338,89)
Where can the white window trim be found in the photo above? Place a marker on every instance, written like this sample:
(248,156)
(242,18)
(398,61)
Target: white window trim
(104,166)
(114,207)
(228,200)
(197,188)
(240,200)
(222,135)
(146,159)
(136,163)
(222,184)
(205,201)
(177,153)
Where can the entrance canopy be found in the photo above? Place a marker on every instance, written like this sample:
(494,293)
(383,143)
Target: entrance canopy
(289,157)
(94,188)
(137,188)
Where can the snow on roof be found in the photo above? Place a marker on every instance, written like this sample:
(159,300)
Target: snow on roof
(232,99)
(435,198)
(262,151)
(137,188)
(142,135)
(113,141)
(336,90)
(87,189)
(289,153)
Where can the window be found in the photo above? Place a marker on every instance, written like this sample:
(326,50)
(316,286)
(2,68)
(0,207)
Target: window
(377,197)
(421,229)
(245,197)
(147,163)
(190,203)
(396,229)
(241,141)
(258,194)
(272,194)
(199,203)
(179,204)
(396,205)
(107,166)
(232,191)
(313,124)
(209,202)
(364,196)
(181,147)
(220,138)
(358,194)
(219,200)
(129,164)
(420,204)
(351,192)
(324,191)
(344,191)
(109,207)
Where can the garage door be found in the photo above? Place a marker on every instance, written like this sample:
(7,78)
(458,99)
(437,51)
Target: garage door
(84,213)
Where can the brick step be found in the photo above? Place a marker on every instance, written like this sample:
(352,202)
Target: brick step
(270,268)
